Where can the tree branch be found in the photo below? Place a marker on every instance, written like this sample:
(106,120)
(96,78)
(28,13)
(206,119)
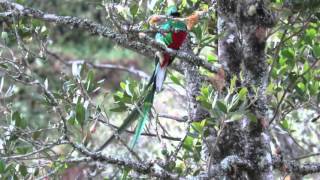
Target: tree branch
(130,69)
(228,164)
(36,152)
(294,167)
(149,134)
(178,119)
(144,168)
(140,44)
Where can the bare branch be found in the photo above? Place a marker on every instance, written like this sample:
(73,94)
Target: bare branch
(131,69)
(228,164)
(178,119)
(148,167)
(307,156)
(49,146)
(140,44)
(295,167)
(149,134)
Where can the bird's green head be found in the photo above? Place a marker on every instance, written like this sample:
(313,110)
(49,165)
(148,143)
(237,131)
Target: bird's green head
(173,11)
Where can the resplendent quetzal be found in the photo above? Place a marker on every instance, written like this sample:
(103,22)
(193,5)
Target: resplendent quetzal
(173,33)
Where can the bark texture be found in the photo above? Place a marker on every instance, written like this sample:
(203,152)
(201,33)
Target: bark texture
(243,26)
(193,85)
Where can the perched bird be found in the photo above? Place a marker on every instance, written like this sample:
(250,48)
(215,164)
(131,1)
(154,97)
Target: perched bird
(172,35)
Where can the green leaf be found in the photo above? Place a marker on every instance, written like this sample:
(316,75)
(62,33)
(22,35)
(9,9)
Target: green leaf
(214,102)
(306,66)
(23,149)
(252,117)
(310,35)
(288,53)
(128,89)
(10,170)
(123,85)
(2,166)
(164,152)
(316,51)
(21,1)
(198,126)
(285,124)
(282,61)
(23,170)
(205,104)
(80,113)
(171,165)
(3,65)
(236,116)
(197,151)
(126,171)
(233,83)
(198,32)
(5,36)
(188,143)
(204,97)
(119,108)
(196,172)
(18,120)
(222,107)
(179,168)
(126,98)
(36,172)
(301,86)
(205,91)
(71,118)
(119,95)
(36,135)
(89,84)
(212,58)
(134,9)
(243,93)
(175,80)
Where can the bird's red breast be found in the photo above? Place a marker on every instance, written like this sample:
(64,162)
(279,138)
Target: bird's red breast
(177,40)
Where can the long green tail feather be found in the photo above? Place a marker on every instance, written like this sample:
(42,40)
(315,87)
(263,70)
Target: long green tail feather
(144,118)
(135,113)
(126,123)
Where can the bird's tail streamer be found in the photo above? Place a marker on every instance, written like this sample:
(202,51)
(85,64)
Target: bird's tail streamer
(142,112)
(144,116)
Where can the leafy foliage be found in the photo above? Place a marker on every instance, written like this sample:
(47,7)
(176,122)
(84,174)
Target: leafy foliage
(47,74)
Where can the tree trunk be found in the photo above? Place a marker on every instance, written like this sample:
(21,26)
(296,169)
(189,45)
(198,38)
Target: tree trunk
(242,27)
